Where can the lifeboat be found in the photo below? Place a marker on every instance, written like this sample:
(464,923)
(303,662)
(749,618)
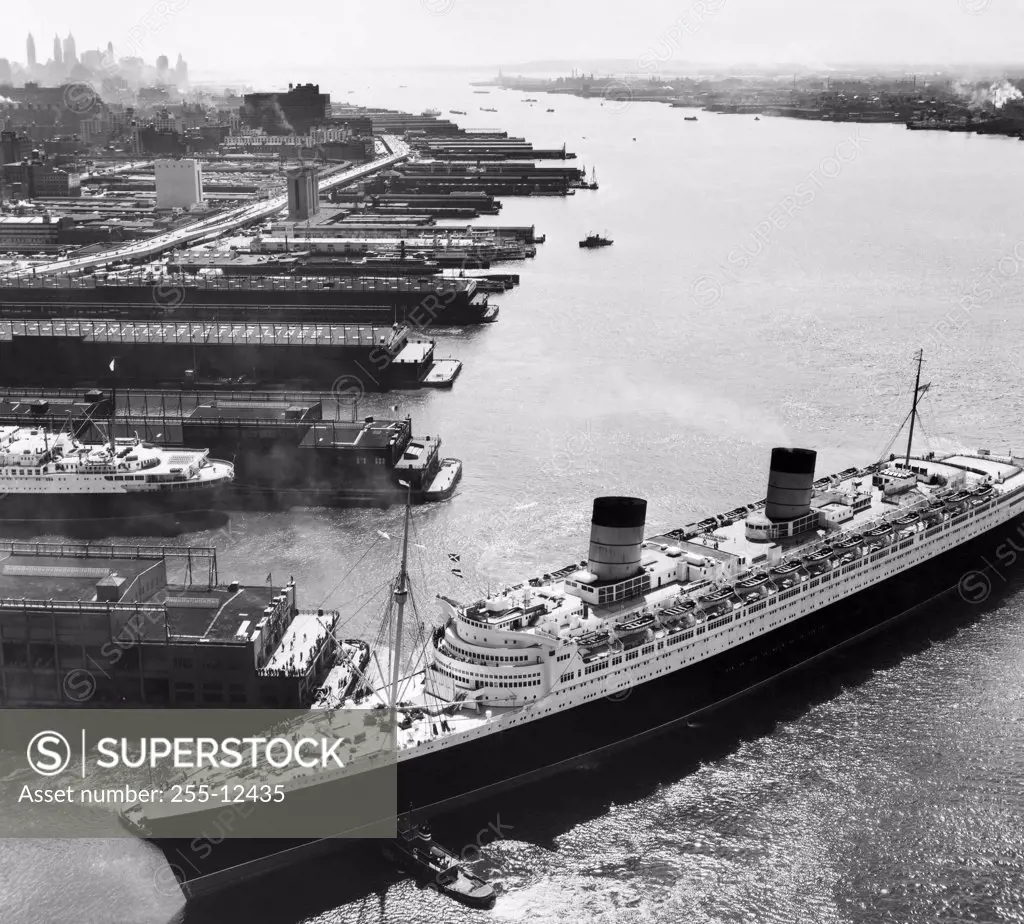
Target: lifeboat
(850,542)
(593,639)
(787,569)
(753,582)
(878,532)
(636,625)
(909,519)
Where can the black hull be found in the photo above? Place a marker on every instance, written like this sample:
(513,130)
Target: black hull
(444,781)
(63,507)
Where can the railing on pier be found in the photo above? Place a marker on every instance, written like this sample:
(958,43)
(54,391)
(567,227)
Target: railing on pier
(202,333)
(191,555)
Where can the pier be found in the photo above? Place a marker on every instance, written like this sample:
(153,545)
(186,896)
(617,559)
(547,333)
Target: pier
(66,351)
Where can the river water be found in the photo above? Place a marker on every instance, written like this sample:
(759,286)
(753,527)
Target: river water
(768,285)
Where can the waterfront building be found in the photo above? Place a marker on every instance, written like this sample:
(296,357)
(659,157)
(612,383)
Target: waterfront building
(105,626)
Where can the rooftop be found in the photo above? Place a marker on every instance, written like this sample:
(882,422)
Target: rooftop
(217,613)
(59,579)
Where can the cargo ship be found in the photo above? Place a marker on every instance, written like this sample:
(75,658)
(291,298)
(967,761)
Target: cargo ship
(645,634)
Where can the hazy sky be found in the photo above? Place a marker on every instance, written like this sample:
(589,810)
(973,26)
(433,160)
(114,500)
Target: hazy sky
(245,37)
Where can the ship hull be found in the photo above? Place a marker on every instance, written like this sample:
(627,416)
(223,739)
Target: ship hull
(17,507)
(444,780)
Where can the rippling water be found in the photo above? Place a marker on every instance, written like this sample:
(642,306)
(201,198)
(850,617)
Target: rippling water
(884,788)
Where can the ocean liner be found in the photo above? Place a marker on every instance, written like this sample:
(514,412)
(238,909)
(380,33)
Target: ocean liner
(52,475)
(646,633)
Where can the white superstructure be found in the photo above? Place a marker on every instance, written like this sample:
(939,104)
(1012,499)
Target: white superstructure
(34,460)
(565,639)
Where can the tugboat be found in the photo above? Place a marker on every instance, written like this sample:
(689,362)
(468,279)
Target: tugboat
(595,240)
(582,183)
(415,850)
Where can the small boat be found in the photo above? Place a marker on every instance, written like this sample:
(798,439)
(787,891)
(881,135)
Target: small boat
(430,862)
(551,110)
(757,118)
(595,240)
(689,118)
(456,112)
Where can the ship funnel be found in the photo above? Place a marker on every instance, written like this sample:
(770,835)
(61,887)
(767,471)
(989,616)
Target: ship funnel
(616,535)
(790,483)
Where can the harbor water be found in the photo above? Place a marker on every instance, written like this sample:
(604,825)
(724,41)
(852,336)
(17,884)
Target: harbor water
(768,285)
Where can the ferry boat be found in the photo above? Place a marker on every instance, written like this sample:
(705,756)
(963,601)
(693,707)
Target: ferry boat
(532,679)
(52,475)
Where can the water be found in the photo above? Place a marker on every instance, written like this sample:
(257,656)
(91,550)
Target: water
(668,365)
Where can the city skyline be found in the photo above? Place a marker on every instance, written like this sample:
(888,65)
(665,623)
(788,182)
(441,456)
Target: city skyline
(949,33)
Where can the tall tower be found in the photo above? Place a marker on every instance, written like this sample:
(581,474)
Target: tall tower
(70,57)
(30,51)
(57,56)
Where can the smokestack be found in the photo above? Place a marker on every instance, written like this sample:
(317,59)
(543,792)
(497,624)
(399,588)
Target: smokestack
(616,536)
(790,483)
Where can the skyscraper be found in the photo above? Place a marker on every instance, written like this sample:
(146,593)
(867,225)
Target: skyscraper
(70,57)
(57,57)
(30,51)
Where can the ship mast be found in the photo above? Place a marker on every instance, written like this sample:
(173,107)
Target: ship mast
(401,594)
(913,410)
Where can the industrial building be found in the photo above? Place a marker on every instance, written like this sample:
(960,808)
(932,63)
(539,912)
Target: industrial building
(35,179)
(303,192)
(179,183)
(294,112)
